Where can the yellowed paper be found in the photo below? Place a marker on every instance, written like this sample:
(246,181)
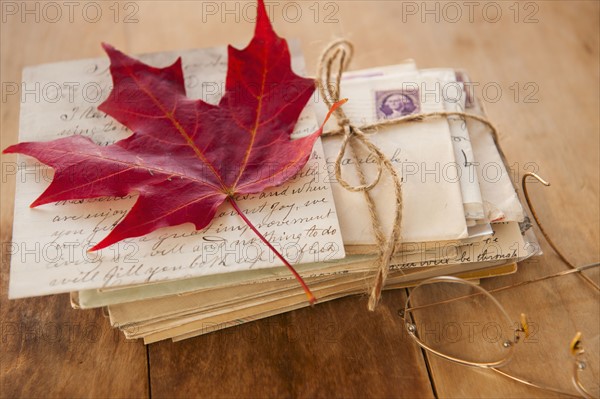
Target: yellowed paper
(421,152)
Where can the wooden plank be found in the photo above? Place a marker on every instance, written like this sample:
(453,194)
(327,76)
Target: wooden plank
(48,349)
(556,309)
(337,349)
(556,136)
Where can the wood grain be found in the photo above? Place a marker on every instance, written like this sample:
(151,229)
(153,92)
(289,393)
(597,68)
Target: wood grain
(547,70)
(48,349)
(554,133)
(335,350)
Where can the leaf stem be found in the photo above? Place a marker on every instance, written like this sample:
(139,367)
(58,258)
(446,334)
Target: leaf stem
(309,294)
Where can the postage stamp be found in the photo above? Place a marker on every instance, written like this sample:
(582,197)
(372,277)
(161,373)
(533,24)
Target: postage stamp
(392,104)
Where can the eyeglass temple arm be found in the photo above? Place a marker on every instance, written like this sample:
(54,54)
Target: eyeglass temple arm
(537,221)
(576,349)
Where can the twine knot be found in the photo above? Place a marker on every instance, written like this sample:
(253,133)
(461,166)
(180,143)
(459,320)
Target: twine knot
(332,64)
(344,122)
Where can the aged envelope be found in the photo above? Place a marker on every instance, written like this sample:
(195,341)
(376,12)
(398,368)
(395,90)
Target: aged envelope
(452,95)
(500,200)
(422,152)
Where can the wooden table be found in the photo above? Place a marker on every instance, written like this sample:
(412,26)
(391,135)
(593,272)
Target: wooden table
(537,65)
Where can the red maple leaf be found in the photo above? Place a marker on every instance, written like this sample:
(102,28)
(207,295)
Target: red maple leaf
(186,157)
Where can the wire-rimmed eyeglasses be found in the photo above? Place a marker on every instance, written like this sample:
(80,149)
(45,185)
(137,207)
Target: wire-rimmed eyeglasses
(490,342)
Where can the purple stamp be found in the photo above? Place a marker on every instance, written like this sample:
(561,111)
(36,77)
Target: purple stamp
(392,104)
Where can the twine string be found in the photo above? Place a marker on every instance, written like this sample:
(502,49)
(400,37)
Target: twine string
(332,64)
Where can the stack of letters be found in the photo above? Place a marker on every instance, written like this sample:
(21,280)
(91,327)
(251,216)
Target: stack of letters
(461,214)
